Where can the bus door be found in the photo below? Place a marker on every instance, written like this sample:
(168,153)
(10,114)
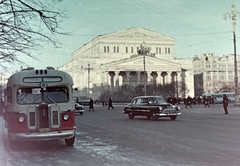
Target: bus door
(46,117)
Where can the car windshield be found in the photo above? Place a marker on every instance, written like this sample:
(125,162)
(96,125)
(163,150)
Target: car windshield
(149,100)
(160,100)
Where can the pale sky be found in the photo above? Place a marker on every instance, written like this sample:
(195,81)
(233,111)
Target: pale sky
(197,26)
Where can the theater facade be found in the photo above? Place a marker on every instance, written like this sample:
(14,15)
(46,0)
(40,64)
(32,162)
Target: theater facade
(111,60)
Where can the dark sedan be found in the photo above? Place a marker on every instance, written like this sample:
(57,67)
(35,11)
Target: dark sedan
(79,108)
(152,107)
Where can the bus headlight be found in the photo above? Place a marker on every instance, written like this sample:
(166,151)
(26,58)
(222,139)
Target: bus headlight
(21,119)
(65,117)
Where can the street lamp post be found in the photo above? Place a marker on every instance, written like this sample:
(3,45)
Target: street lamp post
(145,77)
(88,69)
(144,50)
(233,16)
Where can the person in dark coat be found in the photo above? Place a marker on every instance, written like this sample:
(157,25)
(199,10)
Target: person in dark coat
(170,99)
(188,102)
(91,104)
(225,103)
(174,100)
(2,106)
(206,101)
(199,100)
(110,104)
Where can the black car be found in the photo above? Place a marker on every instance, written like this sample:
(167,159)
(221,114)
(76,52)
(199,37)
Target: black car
(79,108)
(152,107)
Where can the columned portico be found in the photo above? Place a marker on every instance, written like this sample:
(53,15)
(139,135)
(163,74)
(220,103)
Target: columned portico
(135,78)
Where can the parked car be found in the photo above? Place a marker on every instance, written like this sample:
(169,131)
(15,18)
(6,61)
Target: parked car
(79,108)
(152,107)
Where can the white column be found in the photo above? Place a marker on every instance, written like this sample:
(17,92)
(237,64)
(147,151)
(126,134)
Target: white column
(169,77)
(117,78)
(138,77)
(128,77)
(158,79)
(149,77)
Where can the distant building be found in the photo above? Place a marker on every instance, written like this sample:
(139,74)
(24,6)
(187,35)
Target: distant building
(3,83)
(213,73)
(111,60)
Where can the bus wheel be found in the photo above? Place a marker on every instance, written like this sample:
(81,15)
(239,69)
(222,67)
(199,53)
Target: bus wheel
(70,141)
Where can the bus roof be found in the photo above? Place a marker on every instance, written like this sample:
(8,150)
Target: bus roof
(30,72)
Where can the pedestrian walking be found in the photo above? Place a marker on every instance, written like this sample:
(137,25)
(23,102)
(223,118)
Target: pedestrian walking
(206,101)
(2,106)
(110,104)
(170,99)
(188,102)
(225,103)
(91,104)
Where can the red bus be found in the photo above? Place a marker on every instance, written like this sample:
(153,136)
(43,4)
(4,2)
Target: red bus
(39,106)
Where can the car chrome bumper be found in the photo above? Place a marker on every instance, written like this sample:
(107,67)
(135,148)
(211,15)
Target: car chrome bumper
(169,114)
(78,111)
(41,135)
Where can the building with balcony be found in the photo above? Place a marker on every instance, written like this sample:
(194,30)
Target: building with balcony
(3,83)
(213,73)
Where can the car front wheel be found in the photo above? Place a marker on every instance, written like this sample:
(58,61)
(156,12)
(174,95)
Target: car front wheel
(130,115)
(173,117)
(154,116)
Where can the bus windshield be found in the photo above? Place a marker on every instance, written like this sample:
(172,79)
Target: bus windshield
(38,95)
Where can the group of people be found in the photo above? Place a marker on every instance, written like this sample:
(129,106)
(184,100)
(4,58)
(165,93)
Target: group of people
(91,108)
(206,100)
(201,100)
(173,100)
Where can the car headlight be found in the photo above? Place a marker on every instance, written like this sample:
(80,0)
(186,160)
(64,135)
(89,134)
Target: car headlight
(21,119)
(160,108)
(65,117)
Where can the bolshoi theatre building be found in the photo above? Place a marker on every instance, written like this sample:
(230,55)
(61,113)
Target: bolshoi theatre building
(111,60)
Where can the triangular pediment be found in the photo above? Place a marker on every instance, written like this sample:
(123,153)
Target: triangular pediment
(136,33)
(136,63)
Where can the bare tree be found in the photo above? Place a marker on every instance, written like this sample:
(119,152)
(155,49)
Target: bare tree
(22,27)
(226,87)
(181,89)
